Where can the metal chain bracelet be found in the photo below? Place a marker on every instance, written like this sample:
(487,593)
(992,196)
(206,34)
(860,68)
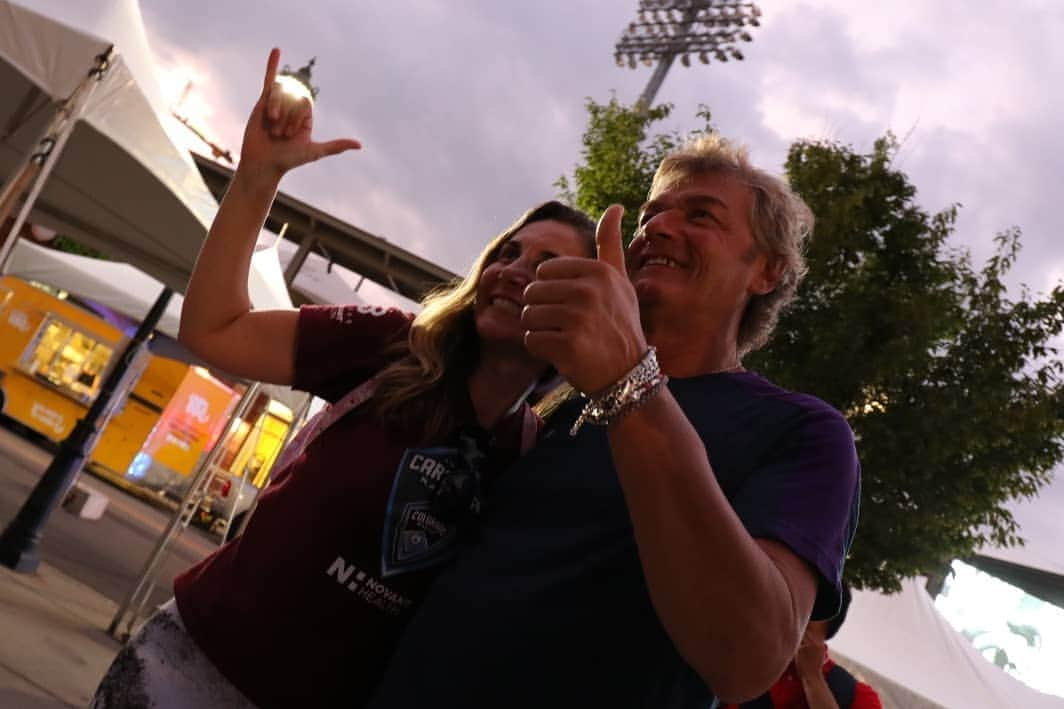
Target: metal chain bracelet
(629,393)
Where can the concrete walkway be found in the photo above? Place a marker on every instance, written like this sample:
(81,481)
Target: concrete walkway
(54,647)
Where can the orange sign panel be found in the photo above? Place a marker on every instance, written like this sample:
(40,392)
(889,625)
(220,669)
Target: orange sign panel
(191,423)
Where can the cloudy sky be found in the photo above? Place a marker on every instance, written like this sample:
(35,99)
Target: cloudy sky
(470,109)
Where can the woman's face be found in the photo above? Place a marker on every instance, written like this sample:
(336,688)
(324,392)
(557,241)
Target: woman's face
(500,291)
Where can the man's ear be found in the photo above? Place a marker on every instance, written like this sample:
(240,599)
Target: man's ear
(768,277)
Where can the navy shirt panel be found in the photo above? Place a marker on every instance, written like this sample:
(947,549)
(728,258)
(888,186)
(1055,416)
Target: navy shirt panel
(550,606)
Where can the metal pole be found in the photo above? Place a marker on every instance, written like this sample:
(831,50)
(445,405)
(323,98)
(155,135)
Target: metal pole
(189,503)
(34,170)
(647,97)
(297,421)
(309,241)
(20,540)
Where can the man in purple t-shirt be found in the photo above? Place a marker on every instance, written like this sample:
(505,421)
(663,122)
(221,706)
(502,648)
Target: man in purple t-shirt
(674,553)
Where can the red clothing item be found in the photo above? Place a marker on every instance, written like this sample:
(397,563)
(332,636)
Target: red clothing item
(787,692)
(303,609)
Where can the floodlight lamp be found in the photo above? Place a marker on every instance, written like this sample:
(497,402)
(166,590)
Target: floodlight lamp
(737,55)
(685,60)
(703,57)
(294,87)
(631,61)
(745,36)
(297,83)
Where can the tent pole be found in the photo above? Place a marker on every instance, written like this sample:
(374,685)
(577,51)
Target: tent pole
(137,596)
(28,180)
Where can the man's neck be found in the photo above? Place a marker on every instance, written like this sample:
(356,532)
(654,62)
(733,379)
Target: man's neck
(692,351)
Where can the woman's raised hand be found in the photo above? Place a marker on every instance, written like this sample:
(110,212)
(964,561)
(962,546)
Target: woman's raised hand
(278,134)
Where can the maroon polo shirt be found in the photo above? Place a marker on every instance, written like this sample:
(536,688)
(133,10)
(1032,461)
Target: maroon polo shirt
(302,610)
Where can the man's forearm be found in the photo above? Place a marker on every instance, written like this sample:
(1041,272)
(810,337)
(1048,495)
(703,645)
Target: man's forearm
(722,599)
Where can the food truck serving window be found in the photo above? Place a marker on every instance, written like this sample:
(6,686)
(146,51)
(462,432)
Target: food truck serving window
(67,358)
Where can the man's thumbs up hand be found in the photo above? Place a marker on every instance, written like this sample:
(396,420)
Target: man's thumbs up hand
(581,314)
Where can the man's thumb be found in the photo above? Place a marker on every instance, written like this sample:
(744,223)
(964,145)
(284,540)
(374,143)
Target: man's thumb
(608,237)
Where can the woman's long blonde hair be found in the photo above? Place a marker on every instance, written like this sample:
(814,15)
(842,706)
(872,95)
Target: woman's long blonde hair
(424,390)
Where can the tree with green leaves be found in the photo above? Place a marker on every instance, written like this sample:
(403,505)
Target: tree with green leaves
(619,159)
(65,243)
(951,383)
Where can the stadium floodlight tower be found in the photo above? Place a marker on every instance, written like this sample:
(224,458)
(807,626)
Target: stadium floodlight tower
(666,29)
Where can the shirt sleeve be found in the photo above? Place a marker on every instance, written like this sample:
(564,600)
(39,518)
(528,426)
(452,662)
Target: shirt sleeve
(340,346)
(805,494)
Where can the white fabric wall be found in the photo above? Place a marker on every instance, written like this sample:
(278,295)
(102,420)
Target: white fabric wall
(906,641)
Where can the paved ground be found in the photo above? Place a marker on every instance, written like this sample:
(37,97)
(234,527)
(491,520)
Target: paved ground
(53,642)
(53,647)
(106,554)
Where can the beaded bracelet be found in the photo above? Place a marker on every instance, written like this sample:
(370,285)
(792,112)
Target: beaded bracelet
(632,391)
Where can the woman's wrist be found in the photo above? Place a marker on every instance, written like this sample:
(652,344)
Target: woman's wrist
(257,180)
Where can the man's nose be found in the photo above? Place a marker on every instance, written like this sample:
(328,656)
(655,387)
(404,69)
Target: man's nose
(662,225)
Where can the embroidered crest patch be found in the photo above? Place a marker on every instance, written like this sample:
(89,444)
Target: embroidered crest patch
(415,537)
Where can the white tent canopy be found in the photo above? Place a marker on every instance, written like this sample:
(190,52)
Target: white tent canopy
(315,280)
(905,642)
(127,290)
(124,289)
(122,184)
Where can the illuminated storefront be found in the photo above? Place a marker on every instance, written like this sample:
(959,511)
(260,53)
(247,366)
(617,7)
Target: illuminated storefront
(54,357)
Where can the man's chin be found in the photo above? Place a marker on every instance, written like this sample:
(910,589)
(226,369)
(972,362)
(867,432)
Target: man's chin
(648,291)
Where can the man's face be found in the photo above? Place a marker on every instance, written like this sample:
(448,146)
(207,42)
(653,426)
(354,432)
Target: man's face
(694,255)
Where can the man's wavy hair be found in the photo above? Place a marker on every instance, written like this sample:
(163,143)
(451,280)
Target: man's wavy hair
(779,221)
(424,391)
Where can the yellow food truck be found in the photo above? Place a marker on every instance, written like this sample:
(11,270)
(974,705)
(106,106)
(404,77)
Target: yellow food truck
(54,356)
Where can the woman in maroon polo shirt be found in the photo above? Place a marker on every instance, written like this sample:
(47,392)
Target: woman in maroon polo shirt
(304,607)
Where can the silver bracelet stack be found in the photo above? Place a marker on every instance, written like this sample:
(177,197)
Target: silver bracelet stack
(629,393)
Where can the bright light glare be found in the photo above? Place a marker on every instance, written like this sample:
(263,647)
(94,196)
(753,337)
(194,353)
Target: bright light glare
(1007,625)
(294,87)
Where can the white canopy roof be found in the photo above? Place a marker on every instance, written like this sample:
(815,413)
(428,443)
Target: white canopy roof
(315,280)
(124,289)
(127,290)
(122,184)
(907,643)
